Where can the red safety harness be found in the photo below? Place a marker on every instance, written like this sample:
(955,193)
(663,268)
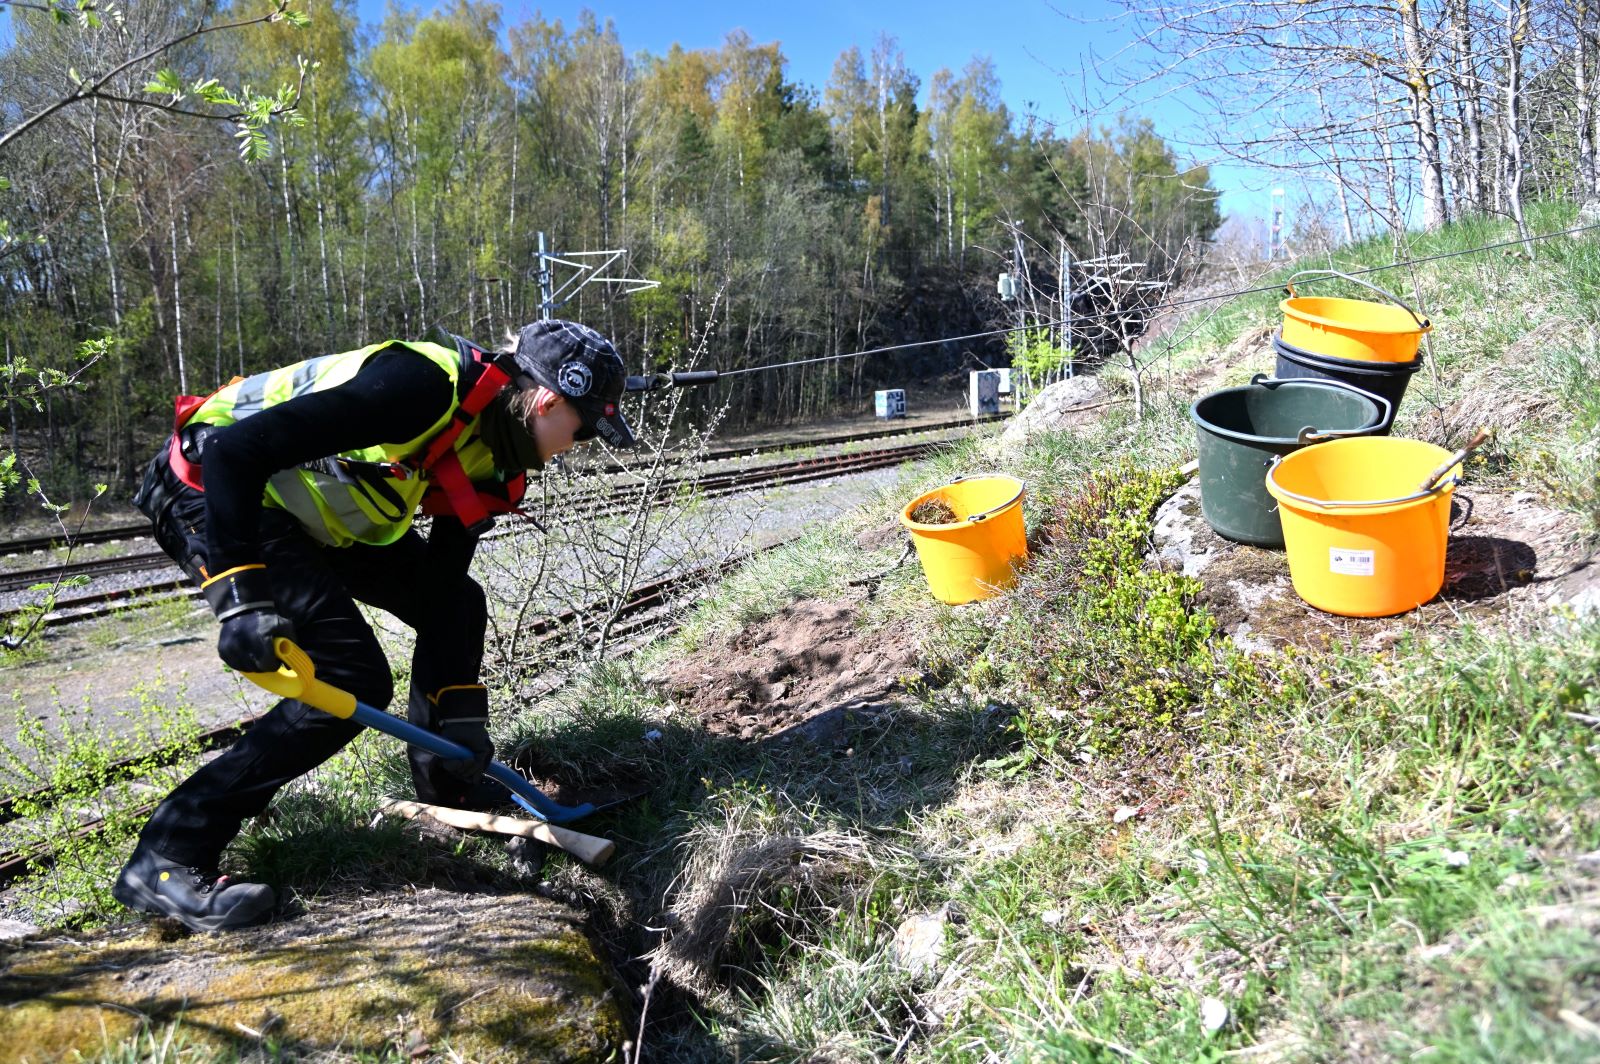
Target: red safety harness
(480,379)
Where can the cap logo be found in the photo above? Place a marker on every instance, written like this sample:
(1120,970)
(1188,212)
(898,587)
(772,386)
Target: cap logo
(575,379)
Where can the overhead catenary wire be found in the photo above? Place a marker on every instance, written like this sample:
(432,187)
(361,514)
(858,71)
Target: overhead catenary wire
(1167,304)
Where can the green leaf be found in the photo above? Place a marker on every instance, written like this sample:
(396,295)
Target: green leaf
(166,82)
(297,19)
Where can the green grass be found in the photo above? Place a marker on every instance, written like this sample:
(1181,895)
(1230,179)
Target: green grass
(1122,821)
(57,779)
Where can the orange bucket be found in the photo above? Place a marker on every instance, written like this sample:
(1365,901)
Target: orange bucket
(1354,329)
(976,555)
(1364,538)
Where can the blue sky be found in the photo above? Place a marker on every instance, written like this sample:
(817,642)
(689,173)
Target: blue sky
(1038,50)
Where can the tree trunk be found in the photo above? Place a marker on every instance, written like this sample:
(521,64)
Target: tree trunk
(238,312)
(1511,131)
(177,294)
(1429,159)
(1583,74)
(294,259)
(322,250)
(1471,167)
(1338,171)
(1391,182)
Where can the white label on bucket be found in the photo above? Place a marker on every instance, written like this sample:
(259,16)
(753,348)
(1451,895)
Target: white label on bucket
(1350,562)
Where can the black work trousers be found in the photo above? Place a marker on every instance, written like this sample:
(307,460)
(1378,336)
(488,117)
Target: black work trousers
(317,587)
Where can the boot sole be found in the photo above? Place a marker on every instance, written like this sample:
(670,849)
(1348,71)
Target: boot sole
(138,895)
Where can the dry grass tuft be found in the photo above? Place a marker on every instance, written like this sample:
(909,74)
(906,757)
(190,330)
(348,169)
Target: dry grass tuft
(745,885)
(1508,395)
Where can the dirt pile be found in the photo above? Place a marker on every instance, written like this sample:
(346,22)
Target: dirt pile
(796,673)
(1505,549)
(934,512)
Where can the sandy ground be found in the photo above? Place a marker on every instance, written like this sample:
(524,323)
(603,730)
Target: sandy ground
(795,673)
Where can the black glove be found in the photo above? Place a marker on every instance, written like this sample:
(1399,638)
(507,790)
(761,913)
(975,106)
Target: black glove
(251,623)
(463,718)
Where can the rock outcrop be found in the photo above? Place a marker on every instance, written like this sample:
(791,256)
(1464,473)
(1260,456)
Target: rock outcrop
(1065,404)
(486,977)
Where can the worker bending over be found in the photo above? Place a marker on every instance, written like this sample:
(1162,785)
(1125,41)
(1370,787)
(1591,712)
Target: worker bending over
(289,497)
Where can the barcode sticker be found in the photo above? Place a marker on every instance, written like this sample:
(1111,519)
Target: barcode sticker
(1350,562)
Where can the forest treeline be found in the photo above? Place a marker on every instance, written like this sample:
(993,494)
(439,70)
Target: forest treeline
(430,151)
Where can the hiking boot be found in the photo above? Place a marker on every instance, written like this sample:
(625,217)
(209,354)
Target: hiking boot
(198,898)
(484,796)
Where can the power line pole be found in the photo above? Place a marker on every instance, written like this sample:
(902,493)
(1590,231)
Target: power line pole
(546,296)
(1022,277)
(585,268)
(1064,255)
(1276,249)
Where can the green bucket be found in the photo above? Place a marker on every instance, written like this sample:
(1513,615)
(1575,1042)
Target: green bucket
(1241,430)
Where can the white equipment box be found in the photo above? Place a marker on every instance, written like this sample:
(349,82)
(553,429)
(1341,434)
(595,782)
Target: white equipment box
(983,392)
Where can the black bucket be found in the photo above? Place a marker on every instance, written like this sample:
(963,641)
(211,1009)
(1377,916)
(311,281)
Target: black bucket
(1385,380)
(1242,430)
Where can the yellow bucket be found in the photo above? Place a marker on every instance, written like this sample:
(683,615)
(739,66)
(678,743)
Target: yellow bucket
(1352,328)
(1364,538)
(975,556)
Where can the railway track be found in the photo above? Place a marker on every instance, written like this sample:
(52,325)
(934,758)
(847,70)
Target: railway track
(644,612)
(140,530)
(23,579)
(110,534)
(620,500)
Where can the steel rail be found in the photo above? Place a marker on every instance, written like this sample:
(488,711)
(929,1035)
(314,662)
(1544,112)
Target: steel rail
(112,534)
(33,544)
(715,485)
(22,579)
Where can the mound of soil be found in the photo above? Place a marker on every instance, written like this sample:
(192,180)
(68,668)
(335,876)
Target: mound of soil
(800,672)
(1505,549)
(934,512)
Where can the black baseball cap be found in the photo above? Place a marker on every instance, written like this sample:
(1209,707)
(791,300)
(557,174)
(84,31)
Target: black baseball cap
(583,368)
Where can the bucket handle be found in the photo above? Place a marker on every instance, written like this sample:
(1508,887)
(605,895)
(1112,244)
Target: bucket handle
(985,515)
(1310,434)
(1423,323)
(1333,504)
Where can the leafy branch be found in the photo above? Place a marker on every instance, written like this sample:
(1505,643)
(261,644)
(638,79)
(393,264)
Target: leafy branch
(22,382)
(252,111)
(27,620)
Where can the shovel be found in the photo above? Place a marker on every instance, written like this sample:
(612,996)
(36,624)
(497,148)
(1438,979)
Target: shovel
(296,678)
(1456,459)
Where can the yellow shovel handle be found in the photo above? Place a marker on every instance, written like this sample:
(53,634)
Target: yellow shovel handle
(296,678)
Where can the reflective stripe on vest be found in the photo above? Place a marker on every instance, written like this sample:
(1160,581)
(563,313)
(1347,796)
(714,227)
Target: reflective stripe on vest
(333,505)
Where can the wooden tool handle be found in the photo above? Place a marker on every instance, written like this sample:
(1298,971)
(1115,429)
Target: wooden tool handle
(1456,459)
(590,849)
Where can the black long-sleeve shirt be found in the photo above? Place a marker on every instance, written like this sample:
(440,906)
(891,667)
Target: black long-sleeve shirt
(396,396)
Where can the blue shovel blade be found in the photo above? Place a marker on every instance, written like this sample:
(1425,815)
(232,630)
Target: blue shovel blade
(523,793)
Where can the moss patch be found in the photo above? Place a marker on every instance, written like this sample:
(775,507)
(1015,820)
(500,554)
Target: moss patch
(487,976)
